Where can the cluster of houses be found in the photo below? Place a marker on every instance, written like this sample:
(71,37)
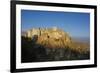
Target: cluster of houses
(54,33)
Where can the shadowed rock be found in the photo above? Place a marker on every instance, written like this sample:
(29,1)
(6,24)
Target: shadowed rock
(52,44)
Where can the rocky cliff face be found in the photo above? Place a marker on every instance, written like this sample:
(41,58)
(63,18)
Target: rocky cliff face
(51,44)
(50,38)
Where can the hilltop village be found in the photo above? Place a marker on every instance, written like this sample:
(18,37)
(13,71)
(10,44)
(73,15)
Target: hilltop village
(51,44)
(48,33)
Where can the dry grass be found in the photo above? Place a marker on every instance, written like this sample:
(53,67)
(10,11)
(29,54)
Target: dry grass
(80,47)
(53,46)
(50,49)
(61,43)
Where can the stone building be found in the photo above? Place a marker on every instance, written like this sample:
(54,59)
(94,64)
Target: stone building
(52,33)
(32,32)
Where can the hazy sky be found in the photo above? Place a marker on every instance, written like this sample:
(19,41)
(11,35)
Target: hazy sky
(76,24)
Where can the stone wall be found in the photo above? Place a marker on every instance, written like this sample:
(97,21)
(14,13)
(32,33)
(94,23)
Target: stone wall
(55,37)
(52,32)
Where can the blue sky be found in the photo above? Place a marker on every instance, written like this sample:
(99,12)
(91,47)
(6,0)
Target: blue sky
(76,24)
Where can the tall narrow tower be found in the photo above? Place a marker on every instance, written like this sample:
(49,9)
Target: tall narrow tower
(39,31)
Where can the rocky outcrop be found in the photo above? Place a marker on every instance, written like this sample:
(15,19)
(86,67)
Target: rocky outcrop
(51,44)
(51,37)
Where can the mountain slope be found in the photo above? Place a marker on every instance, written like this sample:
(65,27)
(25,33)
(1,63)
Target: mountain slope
(51,44)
